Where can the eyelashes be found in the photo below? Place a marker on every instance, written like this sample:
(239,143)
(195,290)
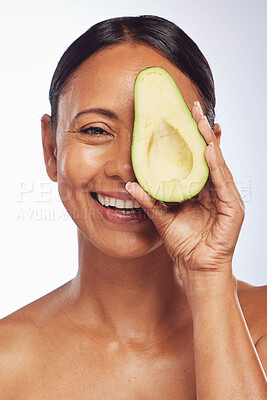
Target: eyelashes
(93,131)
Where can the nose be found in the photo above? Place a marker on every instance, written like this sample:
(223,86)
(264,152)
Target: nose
(120,162)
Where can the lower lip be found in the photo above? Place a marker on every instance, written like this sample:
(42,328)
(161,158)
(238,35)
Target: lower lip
(118,218)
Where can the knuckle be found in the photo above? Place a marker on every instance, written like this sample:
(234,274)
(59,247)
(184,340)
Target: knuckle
(240,211)
(243,213)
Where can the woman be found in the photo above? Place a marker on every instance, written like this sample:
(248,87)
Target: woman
(154,311)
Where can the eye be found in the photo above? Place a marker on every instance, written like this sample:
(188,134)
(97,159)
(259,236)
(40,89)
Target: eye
(93,130)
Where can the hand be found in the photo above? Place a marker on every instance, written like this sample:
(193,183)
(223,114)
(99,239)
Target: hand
(199,234)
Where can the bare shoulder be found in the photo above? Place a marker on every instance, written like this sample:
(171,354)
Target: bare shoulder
(253,301)
(17,348)
(24,344)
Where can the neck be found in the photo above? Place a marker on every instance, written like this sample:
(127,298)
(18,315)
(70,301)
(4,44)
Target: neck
(131,298)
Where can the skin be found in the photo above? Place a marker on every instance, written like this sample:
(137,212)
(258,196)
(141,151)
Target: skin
(149,312)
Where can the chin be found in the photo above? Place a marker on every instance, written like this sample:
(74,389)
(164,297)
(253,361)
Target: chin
(124,246)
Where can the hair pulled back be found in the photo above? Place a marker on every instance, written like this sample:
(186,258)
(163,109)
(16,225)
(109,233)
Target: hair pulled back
(161,34)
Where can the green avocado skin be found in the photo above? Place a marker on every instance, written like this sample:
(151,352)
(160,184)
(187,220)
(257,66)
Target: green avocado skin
(167,148)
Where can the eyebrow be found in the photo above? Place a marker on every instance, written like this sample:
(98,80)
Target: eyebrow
(101,111)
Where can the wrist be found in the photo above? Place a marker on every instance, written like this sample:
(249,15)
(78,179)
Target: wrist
(202,286)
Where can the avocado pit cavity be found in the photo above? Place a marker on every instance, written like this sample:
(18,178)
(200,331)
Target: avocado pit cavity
(168,148)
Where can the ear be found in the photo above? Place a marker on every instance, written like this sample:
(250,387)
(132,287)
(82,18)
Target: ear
(49,147)
(217,132)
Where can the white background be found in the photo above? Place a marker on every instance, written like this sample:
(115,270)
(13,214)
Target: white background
(38,240)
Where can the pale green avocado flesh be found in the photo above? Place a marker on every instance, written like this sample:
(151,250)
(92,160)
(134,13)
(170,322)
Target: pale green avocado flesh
(167,147)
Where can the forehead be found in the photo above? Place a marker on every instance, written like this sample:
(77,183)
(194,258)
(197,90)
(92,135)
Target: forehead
(107,79)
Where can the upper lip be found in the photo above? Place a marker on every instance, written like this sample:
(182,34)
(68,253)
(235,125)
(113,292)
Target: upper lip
(117,195)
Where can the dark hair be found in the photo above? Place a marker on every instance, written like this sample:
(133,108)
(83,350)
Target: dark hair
(157,32)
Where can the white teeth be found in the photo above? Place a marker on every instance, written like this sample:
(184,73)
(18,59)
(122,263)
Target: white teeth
(129,204)
(111,201)
(101,199)
(119,203)
(126,212)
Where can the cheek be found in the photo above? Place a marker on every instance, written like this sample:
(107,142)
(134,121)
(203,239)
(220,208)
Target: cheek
(78,164)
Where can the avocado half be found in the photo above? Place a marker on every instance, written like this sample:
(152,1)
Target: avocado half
(167,147)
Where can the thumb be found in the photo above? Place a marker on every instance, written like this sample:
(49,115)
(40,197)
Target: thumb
(155,209)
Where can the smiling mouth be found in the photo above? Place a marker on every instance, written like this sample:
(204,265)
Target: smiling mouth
(125,211)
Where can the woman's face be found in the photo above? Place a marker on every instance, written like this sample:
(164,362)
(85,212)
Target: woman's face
(94,146)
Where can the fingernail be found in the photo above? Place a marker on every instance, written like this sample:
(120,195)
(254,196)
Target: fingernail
(211,144)
(197,104)
(205,119)
(127,186)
